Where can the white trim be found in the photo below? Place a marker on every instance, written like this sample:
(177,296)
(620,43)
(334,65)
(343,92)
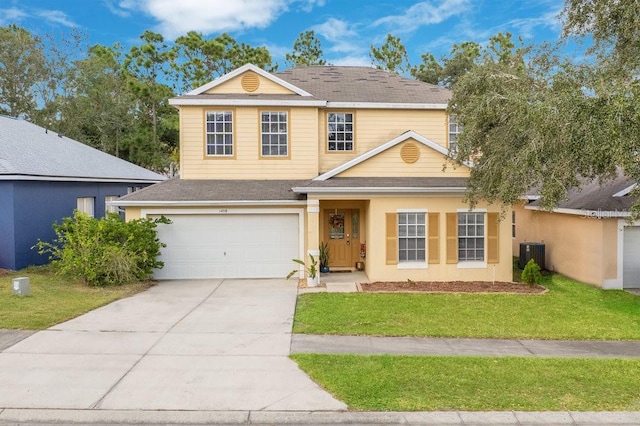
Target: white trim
(246,102)
(412,265)
(475,210)
(209,203)
(412,211)
(77,179)
(243,69)
(313,209)
(313,202)
(385,105)
(591,214)
(144,213)
(393,142)
(376,190)
(625,191)
(472,265)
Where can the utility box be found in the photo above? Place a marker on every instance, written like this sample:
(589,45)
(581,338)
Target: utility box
(530,251)
(21,286)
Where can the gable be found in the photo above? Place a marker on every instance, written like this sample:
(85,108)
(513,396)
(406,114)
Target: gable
(389,164)
(408,159)
(250,83)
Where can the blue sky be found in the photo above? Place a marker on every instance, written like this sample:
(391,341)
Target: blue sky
(347,28)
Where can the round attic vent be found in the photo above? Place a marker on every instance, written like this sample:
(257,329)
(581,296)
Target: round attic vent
(250,82)
(409,152)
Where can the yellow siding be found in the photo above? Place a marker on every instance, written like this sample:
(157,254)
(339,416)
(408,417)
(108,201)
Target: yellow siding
(235,86)
(373,127)
(302,162)
(389,163)
(132,213)
(378,270)
(576,246)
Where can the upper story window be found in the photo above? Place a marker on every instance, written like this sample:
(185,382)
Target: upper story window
(220,133)
(274,131)
(340,131)
(454,130)
(411,237)
(470,236)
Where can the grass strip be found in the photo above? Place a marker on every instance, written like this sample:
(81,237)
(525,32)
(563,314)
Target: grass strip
(570,310)
(426,383)
(53,299)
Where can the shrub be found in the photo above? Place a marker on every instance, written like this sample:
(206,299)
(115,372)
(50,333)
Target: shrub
(531,273)
(105,251)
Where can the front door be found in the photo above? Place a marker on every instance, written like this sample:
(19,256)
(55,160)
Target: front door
(341,231)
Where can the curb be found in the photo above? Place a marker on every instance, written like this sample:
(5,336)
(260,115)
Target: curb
(9,416)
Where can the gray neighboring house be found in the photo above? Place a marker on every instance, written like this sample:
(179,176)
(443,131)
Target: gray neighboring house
(44,177)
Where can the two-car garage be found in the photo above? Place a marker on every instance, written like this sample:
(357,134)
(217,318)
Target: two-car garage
(229,243)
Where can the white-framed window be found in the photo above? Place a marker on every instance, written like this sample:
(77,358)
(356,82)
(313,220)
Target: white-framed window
(471,236)
(132,189)
(412,237)
(108,208)
(86,205)
(454,130)
(219,133)
(274,133)
(340,131)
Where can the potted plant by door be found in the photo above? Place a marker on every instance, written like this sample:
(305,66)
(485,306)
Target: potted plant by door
(313,277)
(323,258)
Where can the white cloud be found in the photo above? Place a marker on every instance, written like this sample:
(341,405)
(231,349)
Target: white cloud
(341,34)
(527,26)
(356,60)
(12,15)
(117,9)
(177,17)
(56,17)
(424,13)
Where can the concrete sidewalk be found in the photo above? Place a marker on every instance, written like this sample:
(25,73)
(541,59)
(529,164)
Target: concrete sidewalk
(369,345)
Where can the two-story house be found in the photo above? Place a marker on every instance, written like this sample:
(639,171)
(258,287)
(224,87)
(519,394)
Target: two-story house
(274,164)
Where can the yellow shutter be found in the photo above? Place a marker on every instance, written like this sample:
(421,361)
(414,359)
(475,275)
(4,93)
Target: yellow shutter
(492,238)
(452,238)
(434,237)
(392,239)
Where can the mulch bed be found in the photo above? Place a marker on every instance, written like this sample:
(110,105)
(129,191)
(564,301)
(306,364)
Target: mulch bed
(4,272)
(452,287)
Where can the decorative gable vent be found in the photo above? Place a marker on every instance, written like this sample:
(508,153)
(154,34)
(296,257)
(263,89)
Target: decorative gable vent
(250,82)
(409,152)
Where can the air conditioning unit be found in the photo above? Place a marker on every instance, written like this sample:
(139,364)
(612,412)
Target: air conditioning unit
(530,251)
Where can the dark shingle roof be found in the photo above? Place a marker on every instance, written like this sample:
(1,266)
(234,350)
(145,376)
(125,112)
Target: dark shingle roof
(363,84)
(218,190)
(593,196)
(30,150)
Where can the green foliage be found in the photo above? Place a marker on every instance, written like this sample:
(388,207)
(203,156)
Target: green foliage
(531,273)
(307,50)
(24,68)
(391,56)
(105,251)
(311,269)
(323,258)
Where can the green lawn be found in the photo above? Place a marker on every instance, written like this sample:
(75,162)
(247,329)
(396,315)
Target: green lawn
(570,310)
(53,299)
(419,383)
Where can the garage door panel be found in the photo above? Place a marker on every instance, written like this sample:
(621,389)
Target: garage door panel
(228,246)
(631,257)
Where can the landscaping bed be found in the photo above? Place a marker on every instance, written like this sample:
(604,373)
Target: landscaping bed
(451,287)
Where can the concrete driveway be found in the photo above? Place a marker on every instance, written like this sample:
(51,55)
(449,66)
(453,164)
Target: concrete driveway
(182,345)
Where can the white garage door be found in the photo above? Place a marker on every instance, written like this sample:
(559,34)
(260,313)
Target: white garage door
(631,258)
(228,246)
